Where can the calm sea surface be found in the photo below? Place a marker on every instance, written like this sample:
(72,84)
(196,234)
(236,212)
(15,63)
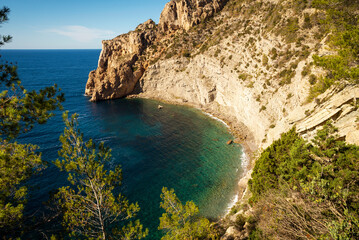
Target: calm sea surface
(177,147)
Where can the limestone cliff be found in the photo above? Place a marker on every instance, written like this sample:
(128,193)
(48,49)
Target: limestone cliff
(250,64)
(183,14)
(122,61)
(119,67)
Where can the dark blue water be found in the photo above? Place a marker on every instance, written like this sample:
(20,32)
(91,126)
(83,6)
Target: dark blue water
(177,147)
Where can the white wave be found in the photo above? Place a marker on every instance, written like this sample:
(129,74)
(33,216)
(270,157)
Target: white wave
(105,139)
(215,118)
(244,167)
(233,202)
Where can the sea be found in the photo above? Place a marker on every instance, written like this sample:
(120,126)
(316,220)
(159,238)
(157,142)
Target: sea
(175,147)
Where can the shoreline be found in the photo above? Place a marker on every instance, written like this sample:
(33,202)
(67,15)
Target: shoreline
(242,136)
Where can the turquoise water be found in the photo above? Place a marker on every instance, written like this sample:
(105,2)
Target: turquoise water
(177,147)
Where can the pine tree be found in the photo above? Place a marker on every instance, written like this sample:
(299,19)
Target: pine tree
(90,208)
(182,222)
(19,111)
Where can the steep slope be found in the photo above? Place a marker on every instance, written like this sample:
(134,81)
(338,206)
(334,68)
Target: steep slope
(247,62)
(119,67)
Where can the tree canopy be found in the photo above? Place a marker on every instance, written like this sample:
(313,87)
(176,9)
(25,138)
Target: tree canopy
(19,111)
(308,187)
(182,221)
(90,208)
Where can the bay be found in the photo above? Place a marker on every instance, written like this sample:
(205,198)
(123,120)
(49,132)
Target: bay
(176,147)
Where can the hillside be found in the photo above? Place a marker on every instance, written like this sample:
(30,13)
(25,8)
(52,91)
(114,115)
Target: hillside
(263,66)
(250,63)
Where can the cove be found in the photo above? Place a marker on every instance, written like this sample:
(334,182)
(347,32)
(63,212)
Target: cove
(176,147)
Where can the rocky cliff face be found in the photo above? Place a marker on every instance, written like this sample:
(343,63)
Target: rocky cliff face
(251,64)
(184,14)
(119,67)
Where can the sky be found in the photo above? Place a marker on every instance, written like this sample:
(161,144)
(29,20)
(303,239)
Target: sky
(73,24)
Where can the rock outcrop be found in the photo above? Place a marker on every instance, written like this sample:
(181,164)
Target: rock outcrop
(184,14)
(119,67)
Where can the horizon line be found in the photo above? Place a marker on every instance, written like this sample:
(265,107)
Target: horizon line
(50,49)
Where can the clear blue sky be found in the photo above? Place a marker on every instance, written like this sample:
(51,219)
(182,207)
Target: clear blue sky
(73,24)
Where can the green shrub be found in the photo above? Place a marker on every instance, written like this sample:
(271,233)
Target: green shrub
(243,76)
(307,22)
(320,87)
(306,71)
(186,54)
(312,79)
(218,51)
(290,29)
(325,168)
(341,21)
(240,221)
(274,53)
(250,84)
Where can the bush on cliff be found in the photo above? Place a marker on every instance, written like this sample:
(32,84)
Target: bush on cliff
(341,24)
(297,185)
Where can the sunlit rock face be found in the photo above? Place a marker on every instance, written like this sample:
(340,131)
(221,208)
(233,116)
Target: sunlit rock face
(184,14)
(119,67)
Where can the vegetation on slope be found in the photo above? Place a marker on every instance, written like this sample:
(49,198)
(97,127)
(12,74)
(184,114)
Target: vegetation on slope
(304,190)
(302,28)
(341,24)
(183,221)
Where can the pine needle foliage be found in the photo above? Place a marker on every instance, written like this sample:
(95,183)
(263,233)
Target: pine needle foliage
(20,110)
(322,173)
(90,207)
(182,221)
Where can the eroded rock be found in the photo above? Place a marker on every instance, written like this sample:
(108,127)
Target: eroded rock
(119,67)
(184,14)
